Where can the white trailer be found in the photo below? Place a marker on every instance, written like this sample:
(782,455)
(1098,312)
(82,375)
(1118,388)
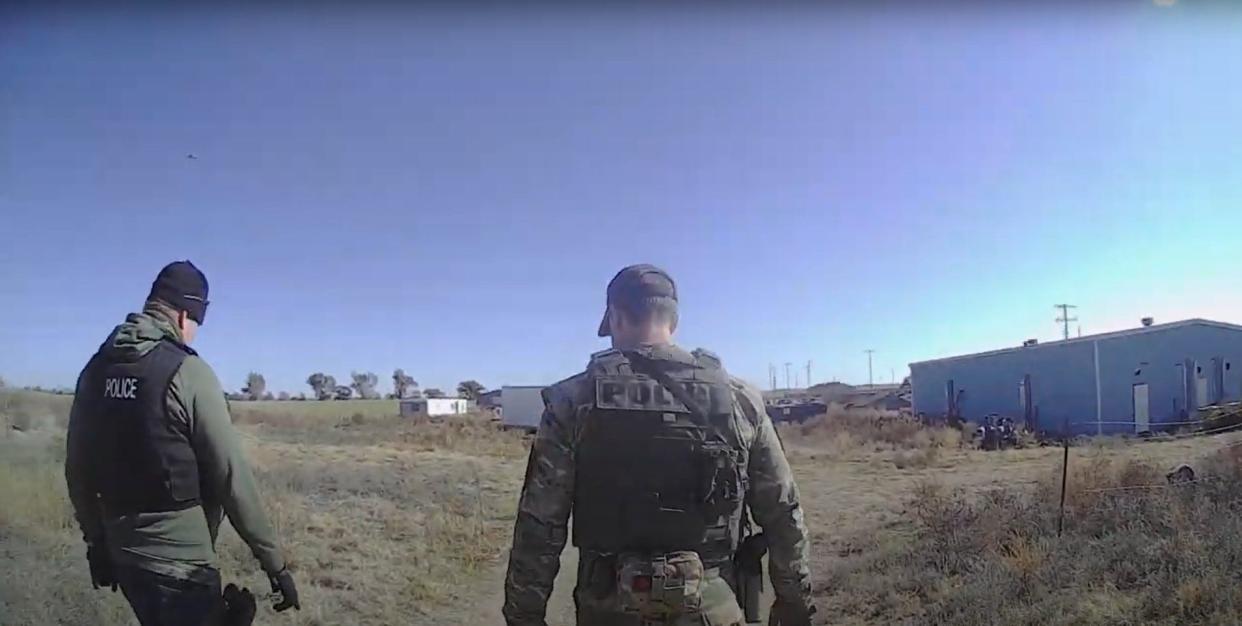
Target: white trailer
(434,407)
(521,406)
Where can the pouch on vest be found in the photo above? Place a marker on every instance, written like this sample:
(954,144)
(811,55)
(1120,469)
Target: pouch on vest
(660,588)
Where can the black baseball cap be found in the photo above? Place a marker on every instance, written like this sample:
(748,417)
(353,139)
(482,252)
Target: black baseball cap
(634,285)
(183,287)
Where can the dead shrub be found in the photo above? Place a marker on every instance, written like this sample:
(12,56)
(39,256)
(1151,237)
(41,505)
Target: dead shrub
(32,486)
(1151,553)
(843,432)
(1225,464)
(472,434)
(24,411)
(921,458)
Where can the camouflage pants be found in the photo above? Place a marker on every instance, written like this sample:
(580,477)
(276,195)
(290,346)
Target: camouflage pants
(597,604)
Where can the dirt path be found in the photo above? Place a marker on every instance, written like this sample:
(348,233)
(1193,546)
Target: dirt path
(491,596)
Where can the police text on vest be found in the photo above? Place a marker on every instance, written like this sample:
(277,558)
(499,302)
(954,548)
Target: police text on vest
(121,388)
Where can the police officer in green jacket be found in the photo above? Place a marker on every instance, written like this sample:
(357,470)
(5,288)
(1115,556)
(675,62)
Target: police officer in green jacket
(663,460)
(153,464)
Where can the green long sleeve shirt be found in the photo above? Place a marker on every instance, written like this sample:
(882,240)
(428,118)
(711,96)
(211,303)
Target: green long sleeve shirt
(176,543)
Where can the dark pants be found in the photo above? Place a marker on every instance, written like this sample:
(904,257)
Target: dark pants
(160,600)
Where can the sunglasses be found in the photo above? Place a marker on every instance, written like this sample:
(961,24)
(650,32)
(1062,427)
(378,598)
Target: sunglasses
(205,304)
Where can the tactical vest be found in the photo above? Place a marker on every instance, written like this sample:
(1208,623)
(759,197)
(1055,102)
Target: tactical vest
(651,473)
(141,459)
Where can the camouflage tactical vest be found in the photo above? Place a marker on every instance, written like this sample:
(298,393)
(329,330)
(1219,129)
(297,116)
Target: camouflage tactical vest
(652,474)
(141,460)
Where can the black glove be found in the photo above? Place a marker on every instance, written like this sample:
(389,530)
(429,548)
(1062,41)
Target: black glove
(282,583)
(102,571)
(236,608)
(787,614)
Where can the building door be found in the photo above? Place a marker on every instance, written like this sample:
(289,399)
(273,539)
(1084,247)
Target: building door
(1202,397)
(1232,392)
(1218,380)
(1142,414)
(1026,403)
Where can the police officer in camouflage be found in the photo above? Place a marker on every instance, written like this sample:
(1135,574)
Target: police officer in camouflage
(153,464)
(663,459)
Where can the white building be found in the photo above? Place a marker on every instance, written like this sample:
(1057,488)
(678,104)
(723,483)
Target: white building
(434,407)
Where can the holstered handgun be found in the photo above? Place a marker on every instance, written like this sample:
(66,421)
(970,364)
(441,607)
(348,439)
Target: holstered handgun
(748,572)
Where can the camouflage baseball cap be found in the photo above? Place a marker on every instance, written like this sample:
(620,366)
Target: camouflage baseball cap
(635,284)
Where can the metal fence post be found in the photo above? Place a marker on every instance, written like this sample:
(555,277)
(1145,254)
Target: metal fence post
(1064,479)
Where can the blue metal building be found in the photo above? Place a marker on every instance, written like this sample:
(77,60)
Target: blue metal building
(1133,381)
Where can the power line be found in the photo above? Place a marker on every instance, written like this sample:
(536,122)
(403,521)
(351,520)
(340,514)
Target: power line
(1065,317)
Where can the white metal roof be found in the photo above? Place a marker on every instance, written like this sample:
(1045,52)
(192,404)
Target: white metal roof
(1090,338)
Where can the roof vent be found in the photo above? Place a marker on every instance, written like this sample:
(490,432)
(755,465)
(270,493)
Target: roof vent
(1147,321)
(1030,342)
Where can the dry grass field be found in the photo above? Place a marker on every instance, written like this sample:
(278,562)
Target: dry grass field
(392,522)
(385,521)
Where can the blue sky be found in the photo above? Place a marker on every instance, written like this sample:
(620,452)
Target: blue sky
(449,192)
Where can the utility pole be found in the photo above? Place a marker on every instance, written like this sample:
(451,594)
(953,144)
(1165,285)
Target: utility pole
(787,364)
(772,376)
(808,374)
(892,376)
(870,378)
(1065,317)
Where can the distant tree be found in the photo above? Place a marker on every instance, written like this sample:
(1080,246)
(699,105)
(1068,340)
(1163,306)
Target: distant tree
(470,390)
(403,385)
(316,383)
(268,396)
(433,393)
(342,392)
(2,383)
(237,396)
(364,383)
(283,396)
(256,386)
(301,397)
(323,385)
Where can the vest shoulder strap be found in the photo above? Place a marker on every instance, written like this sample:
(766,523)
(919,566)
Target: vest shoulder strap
(569,390)
(752,407)
(168,342)
(609,362)
(707,359)
(167,358)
